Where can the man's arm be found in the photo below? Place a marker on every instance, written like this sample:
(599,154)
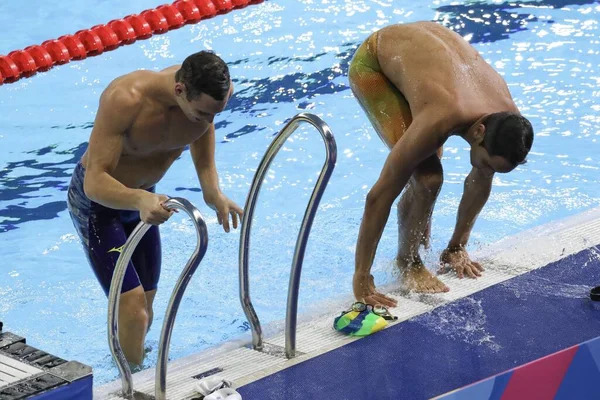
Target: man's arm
(116,113)
(203,154)
(476,192)
(420,141)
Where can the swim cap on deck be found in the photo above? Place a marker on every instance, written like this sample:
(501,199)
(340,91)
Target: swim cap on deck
(356,323)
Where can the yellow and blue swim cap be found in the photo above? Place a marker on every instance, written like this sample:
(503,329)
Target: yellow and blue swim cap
(355,323)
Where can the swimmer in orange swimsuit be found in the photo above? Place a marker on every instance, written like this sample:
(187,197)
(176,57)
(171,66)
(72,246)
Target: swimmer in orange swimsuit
(420,83)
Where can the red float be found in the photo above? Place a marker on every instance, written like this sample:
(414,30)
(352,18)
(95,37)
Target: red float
(173,16)
(140,26)
(206,7)
(9,69)
(222,6)
(156,20)
(100,38)
(92,43)
(123,30)
(57,50)
(24,61)
(43,60)
(73,44)
(240,3)
(188,10)
(109,38)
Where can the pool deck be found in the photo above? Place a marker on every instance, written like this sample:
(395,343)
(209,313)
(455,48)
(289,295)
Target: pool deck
(531,302)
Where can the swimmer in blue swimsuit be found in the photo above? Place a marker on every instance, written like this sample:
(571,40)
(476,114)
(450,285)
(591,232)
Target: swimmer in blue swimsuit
(144,122)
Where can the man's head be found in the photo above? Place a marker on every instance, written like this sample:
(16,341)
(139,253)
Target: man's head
(202,86)
(501,142)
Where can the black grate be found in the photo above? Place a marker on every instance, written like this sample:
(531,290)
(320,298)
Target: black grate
(30,387)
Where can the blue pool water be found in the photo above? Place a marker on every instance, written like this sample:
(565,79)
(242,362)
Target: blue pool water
(286,57)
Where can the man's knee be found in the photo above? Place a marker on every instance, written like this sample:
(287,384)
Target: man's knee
(133,324)
(134,319)
(429,176)
(133,311)
(429,182)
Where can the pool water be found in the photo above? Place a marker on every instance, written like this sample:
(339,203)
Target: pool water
(285,58)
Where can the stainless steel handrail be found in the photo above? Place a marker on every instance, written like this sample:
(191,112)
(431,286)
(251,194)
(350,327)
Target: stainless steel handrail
(178,290)
(326,171)
(180,285)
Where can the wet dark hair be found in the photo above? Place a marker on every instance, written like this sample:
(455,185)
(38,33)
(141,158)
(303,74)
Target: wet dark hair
(508,135)
(204,72)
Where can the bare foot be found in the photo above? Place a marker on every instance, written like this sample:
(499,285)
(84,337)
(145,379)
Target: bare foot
(418,279)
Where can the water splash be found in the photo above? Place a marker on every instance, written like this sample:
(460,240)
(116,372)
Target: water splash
(465,321)
(538,286)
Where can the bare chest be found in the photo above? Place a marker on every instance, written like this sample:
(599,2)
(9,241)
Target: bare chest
(161,132)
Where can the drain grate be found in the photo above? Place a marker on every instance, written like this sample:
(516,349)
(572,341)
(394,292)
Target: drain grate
(30,387)
(32,355)
(274,350)
(210,372)
(26,371)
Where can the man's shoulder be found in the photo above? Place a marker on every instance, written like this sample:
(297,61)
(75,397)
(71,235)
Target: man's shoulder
(127,90)
(131,79)
(441,120)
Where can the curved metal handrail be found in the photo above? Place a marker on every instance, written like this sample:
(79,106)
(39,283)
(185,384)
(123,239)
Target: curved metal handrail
(180,285)
(326,171)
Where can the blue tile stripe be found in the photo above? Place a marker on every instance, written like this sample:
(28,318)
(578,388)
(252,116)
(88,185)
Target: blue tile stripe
(482,335)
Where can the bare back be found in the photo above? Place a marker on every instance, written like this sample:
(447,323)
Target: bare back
(434,67)
(155,136)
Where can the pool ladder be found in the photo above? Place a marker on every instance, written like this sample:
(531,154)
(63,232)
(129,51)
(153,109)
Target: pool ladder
(167,328)
(199,252)
(309,215)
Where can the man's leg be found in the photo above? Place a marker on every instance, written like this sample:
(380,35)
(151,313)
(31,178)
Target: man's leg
(147,259)
(103,252)
(414,218)
(149,304)
(103,235)
(426,238)
(106,239)
(134,322)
